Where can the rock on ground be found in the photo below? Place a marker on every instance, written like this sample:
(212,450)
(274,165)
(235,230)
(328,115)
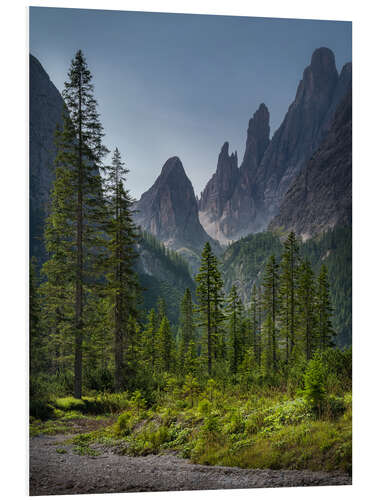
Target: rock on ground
(53,473)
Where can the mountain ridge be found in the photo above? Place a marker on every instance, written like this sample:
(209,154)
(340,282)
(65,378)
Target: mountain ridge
(263,179)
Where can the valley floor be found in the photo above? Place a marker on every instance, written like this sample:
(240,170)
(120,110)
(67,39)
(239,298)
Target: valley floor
(55,469)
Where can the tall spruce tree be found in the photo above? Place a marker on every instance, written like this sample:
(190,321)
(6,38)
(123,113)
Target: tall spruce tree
(73,226)
(307,308)
(290,262)
(165,345)
(235,318)
(150,339)
(37,347)
(254,337)
(57,287)
(270,309)
(186,327)
(122,283)
(325,331)
(218,316)
(161,310)
(208,287)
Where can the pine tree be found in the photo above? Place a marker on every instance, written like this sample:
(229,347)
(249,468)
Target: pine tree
(254,324)
(98,345)
(37,347)
(122,282)
(186,318)
(270,309)
(306,303)
(72,228)
(248,367)
(150,339)
(57,288)
(218,316)
(161,311)
(186,327)
(235,317)
(165,346)
(209,287)
(288,294)
(191,359)
(325,332)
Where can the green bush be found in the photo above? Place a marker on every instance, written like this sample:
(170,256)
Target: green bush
(314,389)
(124,423)
(334,406)
(41,409)
(288,413)
(204,407)
(69,403)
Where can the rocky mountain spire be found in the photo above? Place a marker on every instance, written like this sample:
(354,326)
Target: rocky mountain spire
(269,167)
(321,195)
(221,185)
(169,211)
(301,130)
(225,199)
(258,137)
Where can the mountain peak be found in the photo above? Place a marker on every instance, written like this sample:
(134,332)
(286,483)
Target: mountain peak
(225,148)
(323,59)
(257,140)
(169,210)
(174,165)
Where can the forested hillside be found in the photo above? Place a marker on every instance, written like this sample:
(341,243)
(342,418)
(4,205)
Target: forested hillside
(244,261)
(163,273)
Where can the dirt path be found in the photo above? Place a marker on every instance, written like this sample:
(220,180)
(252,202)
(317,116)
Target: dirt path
(53,473)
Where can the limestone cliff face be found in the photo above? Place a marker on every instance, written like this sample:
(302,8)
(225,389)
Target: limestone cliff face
(302,130)
(169,211)
(226,206)
(269,167)
(46,108)
(321,195)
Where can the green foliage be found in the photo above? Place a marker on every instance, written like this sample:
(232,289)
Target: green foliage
(334,249)
(245,260)
(315,388)
(191,388)
(70,403)
(165,346)
(121,286)
(288,413)
(82,445)
(61,451)
(41,409)
(125,423)
(168,257)
(210,298)
(235,322)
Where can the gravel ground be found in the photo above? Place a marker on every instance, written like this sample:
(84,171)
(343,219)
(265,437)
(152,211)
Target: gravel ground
(53,473)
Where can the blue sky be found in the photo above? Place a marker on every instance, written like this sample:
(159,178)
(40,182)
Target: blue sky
(181,85)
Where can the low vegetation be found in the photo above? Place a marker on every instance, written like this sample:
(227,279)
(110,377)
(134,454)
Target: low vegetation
(299,428)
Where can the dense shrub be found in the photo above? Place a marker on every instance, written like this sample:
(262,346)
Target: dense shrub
(314,389)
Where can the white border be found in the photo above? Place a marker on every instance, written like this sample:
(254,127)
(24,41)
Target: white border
(13,243)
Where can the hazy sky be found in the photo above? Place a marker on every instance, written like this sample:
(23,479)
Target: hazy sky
(181,85)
